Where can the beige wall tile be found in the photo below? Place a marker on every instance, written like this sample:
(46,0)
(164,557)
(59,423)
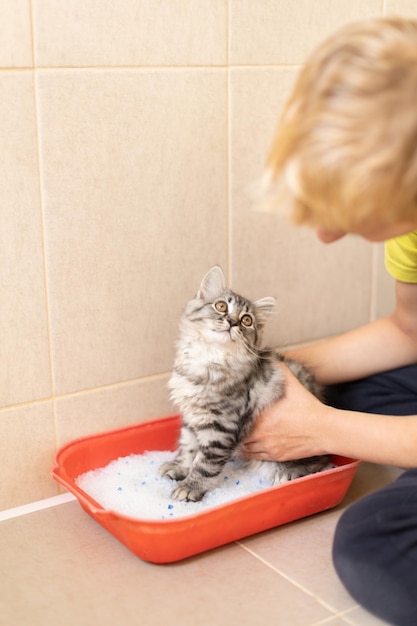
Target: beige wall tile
(27,454)
(25,372)
(115,407)
(284,31)
(405,8)
(15,34)
(384,285)
(135,177)
(131,32)
(321,290)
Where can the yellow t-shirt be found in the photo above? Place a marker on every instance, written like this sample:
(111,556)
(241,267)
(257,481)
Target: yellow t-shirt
(401,257)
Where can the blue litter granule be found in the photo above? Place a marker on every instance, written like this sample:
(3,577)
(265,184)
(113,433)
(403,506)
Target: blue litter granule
(237,482)
(119,489)
(143,482)
(225,478)
(170,506)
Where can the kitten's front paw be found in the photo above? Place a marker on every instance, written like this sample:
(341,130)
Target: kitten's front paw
(173,470)
(291,470)
(186,492)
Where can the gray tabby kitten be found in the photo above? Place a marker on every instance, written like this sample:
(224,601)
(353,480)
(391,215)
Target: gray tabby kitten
(221,382)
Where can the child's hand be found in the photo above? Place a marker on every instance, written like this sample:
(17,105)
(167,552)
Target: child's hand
(290,428)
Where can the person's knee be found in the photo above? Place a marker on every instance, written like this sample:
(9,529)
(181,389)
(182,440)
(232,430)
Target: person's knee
(353,540)
(373,555)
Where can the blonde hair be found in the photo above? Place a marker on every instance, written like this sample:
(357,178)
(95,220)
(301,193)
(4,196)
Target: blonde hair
(345,151)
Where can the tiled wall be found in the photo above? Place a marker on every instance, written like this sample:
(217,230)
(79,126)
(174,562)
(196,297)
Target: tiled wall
(130,135)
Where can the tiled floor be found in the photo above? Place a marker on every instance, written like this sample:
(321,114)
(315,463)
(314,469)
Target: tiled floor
(59,568)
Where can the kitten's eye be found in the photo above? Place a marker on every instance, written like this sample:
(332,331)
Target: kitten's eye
(246,320)
(221,306)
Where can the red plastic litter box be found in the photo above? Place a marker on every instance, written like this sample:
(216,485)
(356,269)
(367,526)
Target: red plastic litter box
(165,541)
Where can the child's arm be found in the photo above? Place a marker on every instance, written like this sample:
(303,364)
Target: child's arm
(382,345)
(299,425)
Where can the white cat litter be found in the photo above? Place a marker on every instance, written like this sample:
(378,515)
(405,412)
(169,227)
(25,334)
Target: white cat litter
(132,486)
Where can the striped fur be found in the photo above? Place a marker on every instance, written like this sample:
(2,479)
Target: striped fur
(222,380)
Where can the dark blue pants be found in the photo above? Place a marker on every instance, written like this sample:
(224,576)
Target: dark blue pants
(375,544)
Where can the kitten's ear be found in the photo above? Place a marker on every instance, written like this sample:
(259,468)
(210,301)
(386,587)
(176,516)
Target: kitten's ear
(213,284)
(264,306)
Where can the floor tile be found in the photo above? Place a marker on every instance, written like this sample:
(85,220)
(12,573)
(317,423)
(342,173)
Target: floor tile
(302,550)
(332,621)
(369,477)
(78,573)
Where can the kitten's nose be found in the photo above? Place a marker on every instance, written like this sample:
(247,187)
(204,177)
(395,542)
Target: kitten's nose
(231,321)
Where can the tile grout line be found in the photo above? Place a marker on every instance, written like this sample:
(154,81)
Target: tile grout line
(290,580)
(72,394)
(123,383)
(343,614)
(109,386)
(32,33)
(149,68)
(43,225)
(229,154)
